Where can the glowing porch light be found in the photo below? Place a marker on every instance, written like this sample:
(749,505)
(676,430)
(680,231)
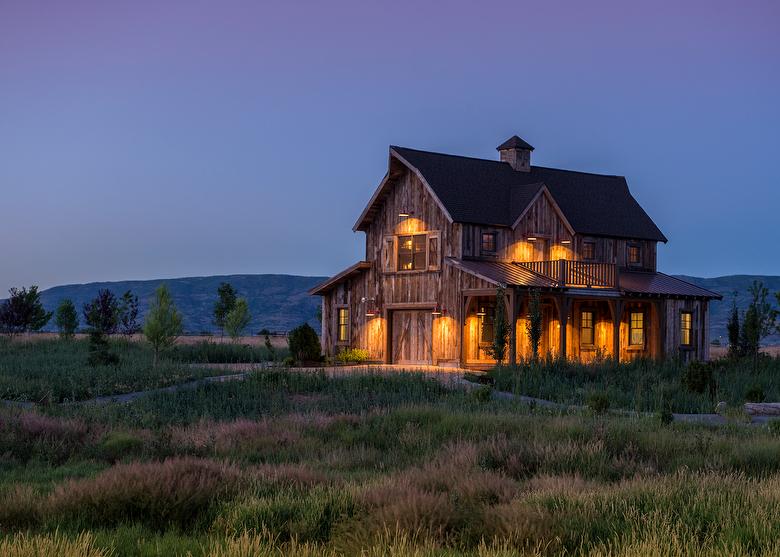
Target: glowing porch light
(481,312)
(565,242)
(438,310)
(531,238)
(405,214)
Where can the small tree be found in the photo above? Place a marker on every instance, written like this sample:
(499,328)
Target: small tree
(223,305)
(269,345)
(733,329)
(304,344)
(498,348)
(23,312)
(128,314)
(237,319)
(163,323)
(534,324)
(758,322)
(101,316)
(66,318)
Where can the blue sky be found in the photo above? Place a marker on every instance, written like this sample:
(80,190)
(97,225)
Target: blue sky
(198,138)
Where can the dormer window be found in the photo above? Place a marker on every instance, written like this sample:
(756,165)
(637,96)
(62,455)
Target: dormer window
(488,244)
(634,254)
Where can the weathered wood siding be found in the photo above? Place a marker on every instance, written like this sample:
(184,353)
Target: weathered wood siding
(700,348)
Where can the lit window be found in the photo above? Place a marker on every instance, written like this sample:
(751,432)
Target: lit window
(488,246)
(589,250)
(637,329)
(586,328)
(686,328)
(411,252)
(343,332)
(634,255)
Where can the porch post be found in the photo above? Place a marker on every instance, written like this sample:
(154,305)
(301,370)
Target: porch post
(617,313)
(660,306)
(564,305)
(513,311)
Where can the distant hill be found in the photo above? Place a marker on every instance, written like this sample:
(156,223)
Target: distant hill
(276,302)
(719,311)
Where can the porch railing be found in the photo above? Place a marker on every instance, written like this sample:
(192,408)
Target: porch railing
(579,274)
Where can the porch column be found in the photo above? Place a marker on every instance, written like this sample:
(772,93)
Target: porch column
(660,306)
(514,305)
(617,313)
(464,314)
(564,306)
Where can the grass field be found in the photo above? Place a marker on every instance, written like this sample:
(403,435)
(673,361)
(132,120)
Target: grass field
(52,370)
(303,464)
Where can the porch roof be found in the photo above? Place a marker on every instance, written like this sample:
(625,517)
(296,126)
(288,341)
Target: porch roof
(335,280)
(636,282)
(502,273)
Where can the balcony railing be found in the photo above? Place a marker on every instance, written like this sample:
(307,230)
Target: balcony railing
(578,274)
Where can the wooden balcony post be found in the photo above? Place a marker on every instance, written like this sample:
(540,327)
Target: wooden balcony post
(561,272)
(564,306)
(617,314)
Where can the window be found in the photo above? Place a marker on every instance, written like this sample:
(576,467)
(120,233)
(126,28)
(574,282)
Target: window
(686,328)
(343,328)
(634,255)
(586,328)
(589,250)
(411,252)
(637,329)
(488,245)
(486,324)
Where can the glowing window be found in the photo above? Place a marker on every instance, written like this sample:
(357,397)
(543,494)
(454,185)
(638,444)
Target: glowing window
(634,255)
(488,245)
(486,333)
(686,328)
(586,328)
(411,252)
(637,329)
(343,329)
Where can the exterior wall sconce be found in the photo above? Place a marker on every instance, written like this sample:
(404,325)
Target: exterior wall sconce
(372,310)
(566,242)
(405,214)
(481,312)
(439,310)
(531,238)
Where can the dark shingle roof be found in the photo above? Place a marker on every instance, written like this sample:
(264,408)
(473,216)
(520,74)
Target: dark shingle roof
(515,142)
(490,192)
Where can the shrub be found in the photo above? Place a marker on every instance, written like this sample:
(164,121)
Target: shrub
(755,394)
(482,394)
(665,416)
(352,356)
(117,445)
(598,402)
(698,377)
(30,435)
(305,344)
(177,492)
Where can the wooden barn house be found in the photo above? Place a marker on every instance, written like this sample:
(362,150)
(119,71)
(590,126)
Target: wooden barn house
(443,232)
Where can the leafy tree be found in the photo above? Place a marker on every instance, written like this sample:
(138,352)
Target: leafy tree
(500,329)
(534,324)
(102,317)
(23,312)
(237,319)
(225,303)
(163,323)
(733,329)
(758,322)
(128,314)
(102,313)
(304,344)
(66,318)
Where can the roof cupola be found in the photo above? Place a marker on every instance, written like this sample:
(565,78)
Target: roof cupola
(517,153)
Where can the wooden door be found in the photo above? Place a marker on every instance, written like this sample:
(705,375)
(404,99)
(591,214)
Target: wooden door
(411,341)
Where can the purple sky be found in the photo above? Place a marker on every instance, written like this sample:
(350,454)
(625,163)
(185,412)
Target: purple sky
(199,138)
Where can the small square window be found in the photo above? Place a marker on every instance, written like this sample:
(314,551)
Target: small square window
(488,245)
(634,255)
(589,251)
(686,328)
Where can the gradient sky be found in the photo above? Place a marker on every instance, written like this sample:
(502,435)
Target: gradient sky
(162,139)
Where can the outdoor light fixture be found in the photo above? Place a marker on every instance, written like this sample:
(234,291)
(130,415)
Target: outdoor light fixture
(566,241)
(438,310)
(531,238)
(481,312)
(371,308)
(405,214)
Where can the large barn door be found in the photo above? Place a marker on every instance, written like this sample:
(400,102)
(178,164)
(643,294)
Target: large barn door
(412,332)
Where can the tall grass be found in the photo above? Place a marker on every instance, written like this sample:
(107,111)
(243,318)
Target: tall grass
(641,385)
(222,352)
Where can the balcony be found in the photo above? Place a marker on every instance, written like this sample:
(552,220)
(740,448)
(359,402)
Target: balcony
(575,274)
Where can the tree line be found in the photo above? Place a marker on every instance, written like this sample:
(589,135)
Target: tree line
(747,329)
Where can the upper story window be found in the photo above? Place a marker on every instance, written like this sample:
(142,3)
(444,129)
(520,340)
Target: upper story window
(343,325)
(636,333)
(588,250)
(634,255)
(586,328)
(488,243)
(411,252)
(686,328)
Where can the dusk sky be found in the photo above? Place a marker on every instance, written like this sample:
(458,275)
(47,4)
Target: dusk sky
(164,139)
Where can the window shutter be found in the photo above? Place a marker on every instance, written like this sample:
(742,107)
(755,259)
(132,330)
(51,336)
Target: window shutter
(388,254)
(434,251)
